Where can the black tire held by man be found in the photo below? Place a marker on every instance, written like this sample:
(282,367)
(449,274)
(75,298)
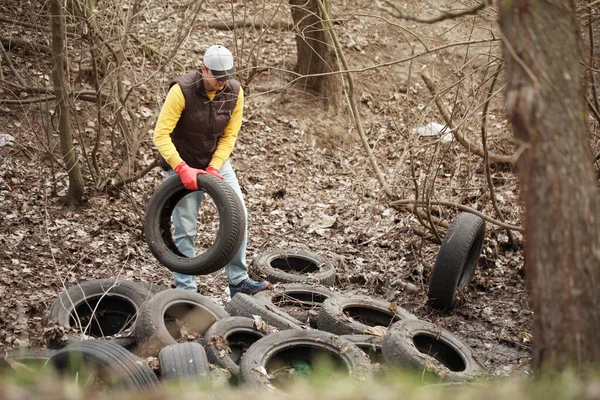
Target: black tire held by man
(106,307)
(227,340)
(456,260)
(309,346)
(157,226)
(183,362)
(295,266)
(109,360)
(425,347)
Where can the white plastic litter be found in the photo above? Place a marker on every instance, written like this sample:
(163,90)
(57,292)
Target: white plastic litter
(6,140)
(434,129)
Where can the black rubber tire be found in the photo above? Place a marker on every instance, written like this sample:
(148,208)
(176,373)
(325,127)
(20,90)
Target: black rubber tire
(127,342)
(309,344)
(31,358)
(183,362)
(127,370)
(228,339)
(232,226)
(409,344)
(153,287)
(247,306)
(347,315)
(299,300)
(306,267)
(150,330)
(456,260)
(371,345)
(116,302)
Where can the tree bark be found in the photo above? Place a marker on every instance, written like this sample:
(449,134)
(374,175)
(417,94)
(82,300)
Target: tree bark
(59,76)
(546,106)
(316,53)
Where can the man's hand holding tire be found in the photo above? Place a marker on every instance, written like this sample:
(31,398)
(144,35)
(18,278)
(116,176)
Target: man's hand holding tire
(188,175)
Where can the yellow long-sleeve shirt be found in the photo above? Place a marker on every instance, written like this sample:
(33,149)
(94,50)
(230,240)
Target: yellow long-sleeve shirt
(170,114)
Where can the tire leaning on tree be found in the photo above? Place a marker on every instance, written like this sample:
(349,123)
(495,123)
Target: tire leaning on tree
(456,260)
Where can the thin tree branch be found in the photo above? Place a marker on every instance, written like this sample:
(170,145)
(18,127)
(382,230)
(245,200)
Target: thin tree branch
(472,147)
(592,51)
(28,25)
(462,207)
(593,109)
(8,61)
(137,176)
(394,11)
(229,26)
(86,95)
(11,43)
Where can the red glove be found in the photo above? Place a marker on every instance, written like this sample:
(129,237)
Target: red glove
(214,171)
(188,175)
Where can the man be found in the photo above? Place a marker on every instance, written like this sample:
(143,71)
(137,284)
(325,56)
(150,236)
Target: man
(195,133)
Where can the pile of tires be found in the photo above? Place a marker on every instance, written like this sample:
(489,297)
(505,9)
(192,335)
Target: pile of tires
(131,335)
(387,334)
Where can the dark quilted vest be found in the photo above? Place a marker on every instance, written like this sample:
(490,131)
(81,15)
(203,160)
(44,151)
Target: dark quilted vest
(202,121)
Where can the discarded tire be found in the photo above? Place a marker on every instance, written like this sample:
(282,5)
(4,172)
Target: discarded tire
(371,345)
(295,266)
(278,356)
(228,339)
(346,315)
(102,308)
(153,287)
(127,342)
(423,346)
(107,362)
(34,359)
(169,315)
(457,259)
(299,300)
(232,226)
(183,362)
(247,306)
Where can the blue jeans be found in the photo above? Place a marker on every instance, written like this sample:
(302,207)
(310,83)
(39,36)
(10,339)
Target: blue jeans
(184,219)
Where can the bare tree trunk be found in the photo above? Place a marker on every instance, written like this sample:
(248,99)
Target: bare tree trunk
(316,53)
(59,76)
(546,105)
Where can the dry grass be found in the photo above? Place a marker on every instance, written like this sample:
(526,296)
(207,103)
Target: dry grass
(394,385)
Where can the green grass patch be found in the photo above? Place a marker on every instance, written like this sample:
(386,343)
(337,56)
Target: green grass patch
(33,381)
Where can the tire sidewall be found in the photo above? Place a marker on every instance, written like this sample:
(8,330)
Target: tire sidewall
(398,348)
(264,263)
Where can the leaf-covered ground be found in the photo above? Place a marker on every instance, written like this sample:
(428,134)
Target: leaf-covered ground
(307,181)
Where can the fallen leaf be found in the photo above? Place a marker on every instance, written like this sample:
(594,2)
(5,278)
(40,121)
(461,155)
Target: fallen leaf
(263,326)
(525,337)
(376,330)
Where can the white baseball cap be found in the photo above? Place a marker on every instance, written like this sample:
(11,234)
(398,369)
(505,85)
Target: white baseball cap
(220,61)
